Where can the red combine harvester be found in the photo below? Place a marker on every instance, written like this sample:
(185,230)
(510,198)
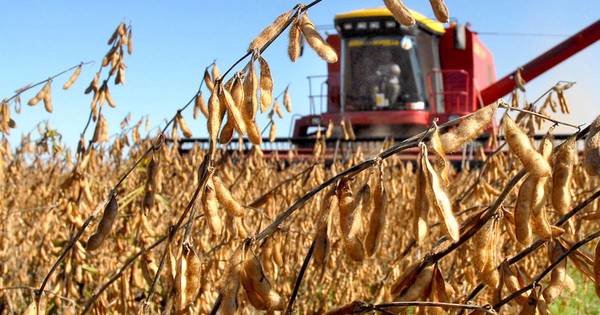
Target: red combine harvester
(393,81)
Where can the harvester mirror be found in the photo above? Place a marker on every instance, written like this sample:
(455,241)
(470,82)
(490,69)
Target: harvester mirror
(460,37)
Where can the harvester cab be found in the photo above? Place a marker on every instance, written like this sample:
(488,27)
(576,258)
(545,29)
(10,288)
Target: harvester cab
(393,81)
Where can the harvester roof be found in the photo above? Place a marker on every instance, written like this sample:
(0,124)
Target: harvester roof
(423,21)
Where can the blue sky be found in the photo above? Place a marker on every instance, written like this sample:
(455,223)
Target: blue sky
(175,40)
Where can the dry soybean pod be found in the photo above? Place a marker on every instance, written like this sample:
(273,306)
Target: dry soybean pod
(250,106)
(511,282)
(214,116)
(378,216)
(437,197)
(531,307)
(93,87)
(440,10)
(295,41)
(421,207)
(400,12)
(111,102)
(468,129)
(211,208)
(418,288)
(562,174)
(181,283)
(47,98)
(231,286)
(39,96)
(523,210)
(539,219)
(227,132)
(287,100)
(265,85)
(187,132)
(520,145)
(322,237)
(270,32)
(200,106)
(245,92)
(72,78)
(350,220)
(108,218)
(101,130)
(329,131)
(233,112)
(272,131)
(277,109)
(441,162)
(226,199)
(591,152)
(257,286)
(316,42)
(484,257)
(557,277)
(350,129)
(130,40)
(208,81)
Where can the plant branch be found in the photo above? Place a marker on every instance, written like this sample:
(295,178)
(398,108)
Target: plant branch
(558,122)
(544,272)
(31,86)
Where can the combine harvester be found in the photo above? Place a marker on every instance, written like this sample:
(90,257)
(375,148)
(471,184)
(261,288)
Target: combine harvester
(393,81)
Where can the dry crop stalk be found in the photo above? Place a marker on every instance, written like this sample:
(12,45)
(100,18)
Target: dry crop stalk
(597,269)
